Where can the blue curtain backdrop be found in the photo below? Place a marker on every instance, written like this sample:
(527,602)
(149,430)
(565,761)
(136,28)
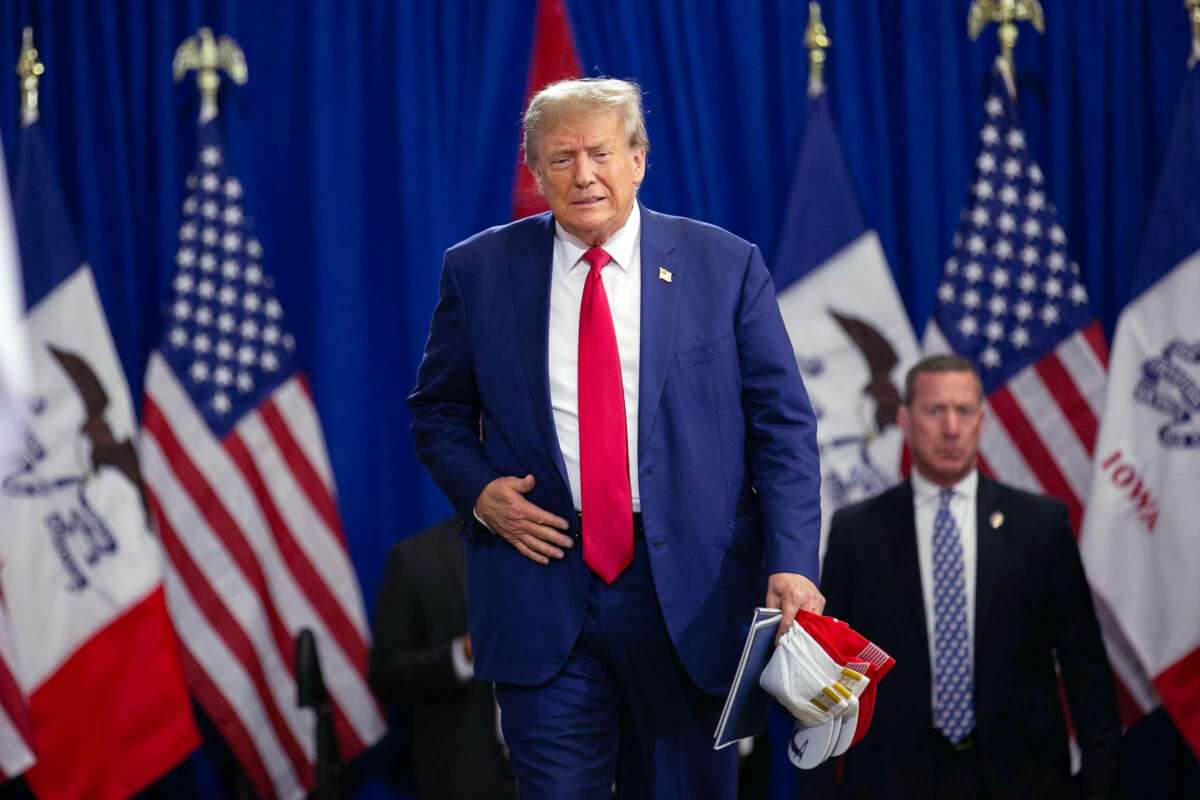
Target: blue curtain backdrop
(373,134)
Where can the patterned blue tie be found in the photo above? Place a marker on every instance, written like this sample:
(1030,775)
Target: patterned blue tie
(953,709)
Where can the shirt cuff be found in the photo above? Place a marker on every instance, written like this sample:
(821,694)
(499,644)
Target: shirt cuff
(479,519)
(464,670)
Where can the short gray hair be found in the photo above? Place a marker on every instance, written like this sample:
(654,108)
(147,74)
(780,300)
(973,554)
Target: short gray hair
(576,97)
(935,364)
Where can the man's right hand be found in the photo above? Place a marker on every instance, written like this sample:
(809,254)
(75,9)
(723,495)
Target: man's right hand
(536,533)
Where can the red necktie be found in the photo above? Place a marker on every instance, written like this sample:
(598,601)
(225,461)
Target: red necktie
(603,445)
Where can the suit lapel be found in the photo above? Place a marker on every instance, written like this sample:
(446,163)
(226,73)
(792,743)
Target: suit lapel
(989,566)
(659,308)
(530,276)
(907,563)
(907,569)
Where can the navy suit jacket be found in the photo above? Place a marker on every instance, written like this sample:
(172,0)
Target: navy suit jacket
(728,465)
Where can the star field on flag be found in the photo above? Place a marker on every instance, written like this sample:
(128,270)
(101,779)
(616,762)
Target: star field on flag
(226,339)
(1010,291)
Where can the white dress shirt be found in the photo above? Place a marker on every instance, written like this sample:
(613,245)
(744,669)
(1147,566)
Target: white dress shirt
(622,280)
(962,507)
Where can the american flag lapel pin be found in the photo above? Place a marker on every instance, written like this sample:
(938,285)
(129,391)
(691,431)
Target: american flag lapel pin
(664,274)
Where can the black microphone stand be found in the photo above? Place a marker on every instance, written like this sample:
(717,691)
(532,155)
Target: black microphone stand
(310,690)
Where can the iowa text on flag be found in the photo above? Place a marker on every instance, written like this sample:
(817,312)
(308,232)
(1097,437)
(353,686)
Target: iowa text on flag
(1141,538)
(848,327)
(82,574)
(240,485)
(1012,300)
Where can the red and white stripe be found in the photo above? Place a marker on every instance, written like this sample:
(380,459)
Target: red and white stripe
(874,654)
(256,553)
(1040,435)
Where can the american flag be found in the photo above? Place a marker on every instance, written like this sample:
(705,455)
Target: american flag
(240,484)
(1013,301)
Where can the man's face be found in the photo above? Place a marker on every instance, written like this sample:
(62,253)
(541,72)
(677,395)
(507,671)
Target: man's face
(589,174)
(942,424)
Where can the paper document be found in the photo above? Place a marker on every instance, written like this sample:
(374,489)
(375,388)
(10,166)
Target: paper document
(745,712)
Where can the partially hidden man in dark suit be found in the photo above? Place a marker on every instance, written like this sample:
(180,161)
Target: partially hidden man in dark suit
(421,657)
(609,396)
(974,588)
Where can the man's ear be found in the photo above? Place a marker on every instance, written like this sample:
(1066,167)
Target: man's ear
(536,172)
(903,419)
(639,166)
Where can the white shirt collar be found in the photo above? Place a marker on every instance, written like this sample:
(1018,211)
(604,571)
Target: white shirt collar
(619,246)
(925,490)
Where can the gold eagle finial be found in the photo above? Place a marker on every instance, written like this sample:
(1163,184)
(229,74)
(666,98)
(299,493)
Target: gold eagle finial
(1193,7)
(817,40)
(30,71)
(207,56)
(1006,13)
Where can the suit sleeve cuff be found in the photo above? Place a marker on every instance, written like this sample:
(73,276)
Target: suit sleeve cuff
(464,670)
(479,519)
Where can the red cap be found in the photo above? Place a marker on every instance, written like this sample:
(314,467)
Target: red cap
(851,649)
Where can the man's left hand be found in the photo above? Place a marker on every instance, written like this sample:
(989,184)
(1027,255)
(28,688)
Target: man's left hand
(790,592)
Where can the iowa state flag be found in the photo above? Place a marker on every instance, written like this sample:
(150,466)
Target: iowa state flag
(16,739)
(1141,535)
(846,321)
(82,572)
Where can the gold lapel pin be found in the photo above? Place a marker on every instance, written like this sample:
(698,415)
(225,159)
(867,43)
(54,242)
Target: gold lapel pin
(996,519)
(664,274)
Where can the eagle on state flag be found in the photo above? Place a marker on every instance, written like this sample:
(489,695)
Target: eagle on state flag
(92,644)
(848,326)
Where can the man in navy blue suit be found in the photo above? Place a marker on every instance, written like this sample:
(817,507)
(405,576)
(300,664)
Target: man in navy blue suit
(609,397)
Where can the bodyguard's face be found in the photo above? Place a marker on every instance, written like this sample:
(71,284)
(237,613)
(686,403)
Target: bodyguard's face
(941,423)
(589,174)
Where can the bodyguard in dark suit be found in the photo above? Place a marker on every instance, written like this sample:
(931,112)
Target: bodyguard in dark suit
(975,588)
(421,657)
(647,472)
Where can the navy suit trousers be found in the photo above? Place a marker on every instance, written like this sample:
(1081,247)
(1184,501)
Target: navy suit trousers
(622,709)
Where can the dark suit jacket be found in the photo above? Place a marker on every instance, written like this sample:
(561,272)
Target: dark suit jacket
(1031,602)
(422,608)
(727,456)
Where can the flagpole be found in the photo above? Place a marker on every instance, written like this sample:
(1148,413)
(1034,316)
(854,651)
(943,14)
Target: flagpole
(817,41)
(30,70)
(1006,13)
(207,56)
(1193,7)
